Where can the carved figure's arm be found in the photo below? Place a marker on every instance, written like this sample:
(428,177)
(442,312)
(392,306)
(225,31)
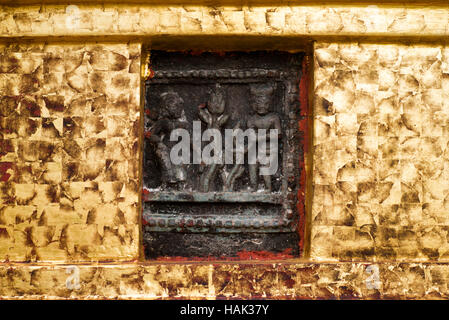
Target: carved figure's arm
(156,129)
(222,120)
(250,123)
(204,114)
(277,124)
(154,139)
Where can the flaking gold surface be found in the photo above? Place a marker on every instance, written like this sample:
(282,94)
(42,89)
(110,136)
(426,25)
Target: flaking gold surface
(381,165)
(69,170)
(69,123)
(143,20)
(276,280)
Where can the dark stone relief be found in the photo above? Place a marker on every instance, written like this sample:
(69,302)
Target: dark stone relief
(159,244)
(247,91)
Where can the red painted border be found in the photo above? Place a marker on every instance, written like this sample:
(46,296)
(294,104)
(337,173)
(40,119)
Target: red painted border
(303,127)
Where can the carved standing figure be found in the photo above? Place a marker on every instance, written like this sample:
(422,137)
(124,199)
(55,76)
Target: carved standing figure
(261,99)
(212,114)
(238,169)
(169,119)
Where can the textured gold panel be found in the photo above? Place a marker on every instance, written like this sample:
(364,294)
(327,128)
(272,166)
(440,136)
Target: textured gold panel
(226,281)
(380,174)
(69,128)
(142,20)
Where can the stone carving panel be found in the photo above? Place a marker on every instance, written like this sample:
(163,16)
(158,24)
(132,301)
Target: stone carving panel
(214,112)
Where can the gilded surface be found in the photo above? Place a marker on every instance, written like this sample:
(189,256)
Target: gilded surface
(69,123)
(226,281)
(155,20)
(381,165)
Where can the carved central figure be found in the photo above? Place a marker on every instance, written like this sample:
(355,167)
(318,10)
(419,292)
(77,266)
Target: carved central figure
(212,114)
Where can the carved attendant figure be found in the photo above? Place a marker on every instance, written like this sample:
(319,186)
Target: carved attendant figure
(170,119)
(238,169)
(261,97)
(212,114)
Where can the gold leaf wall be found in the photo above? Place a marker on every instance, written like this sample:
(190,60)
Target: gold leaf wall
(69,131)
(69,144)
(381,156)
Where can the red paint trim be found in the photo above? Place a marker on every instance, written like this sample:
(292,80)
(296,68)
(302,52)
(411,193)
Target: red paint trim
(33,108)
(6,147)
(264,255)
(242,255)
(150,73)
(4,167)
(200,52)
(145,194)
(303,127)
(195,52)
